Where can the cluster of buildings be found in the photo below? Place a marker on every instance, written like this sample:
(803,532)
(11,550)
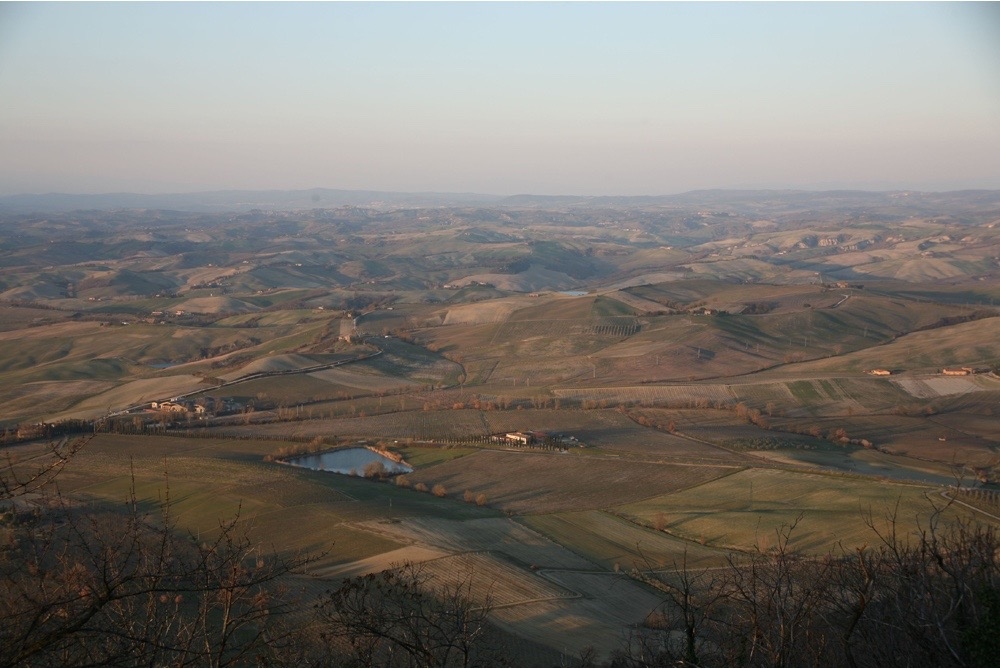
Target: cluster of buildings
(208,407)
(179,407)
(529,438)
(963,371)
(947,371)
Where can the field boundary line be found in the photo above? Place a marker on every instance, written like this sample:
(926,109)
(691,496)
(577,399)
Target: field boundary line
(944,493)
(505,561)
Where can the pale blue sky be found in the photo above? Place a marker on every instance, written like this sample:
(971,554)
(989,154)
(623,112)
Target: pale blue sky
(574,98)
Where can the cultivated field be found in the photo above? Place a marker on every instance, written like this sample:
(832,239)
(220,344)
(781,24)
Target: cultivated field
(510,537)
(612,541)
(539,482)
(745,509)
(925,387)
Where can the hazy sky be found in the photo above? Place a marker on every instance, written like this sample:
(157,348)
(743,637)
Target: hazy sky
(568,98)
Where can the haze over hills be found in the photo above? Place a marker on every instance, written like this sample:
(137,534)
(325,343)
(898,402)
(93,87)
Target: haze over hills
(321,198)
(234,200)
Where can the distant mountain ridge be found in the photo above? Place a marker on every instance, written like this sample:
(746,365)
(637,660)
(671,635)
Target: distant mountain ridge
(324,198)
(235,200)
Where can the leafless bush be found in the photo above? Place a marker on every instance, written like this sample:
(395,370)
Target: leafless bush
(375,470)
(401,617)
(87,585)
(926,599)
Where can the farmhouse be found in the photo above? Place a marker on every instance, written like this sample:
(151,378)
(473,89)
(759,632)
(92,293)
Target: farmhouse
(172,406)
(520,438)
(32,431)
(880,372)
(169,406)
(960,371)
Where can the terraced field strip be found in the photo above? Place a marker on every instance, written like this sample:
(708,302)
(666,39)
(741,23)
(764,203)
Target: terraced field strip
(739,511)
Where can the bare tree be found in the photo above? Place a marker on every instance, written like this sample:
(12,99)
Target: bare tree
(925,598)
(110,585)
(684,629)
(401,616)
(36,468)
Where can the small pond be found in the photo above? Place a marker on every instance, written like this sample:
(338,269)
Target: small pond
(347,461)
(573,293)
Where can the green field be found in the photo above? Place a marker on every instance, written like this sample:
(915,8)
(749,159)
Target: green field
(745,509)
(209,480)
(610,540)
